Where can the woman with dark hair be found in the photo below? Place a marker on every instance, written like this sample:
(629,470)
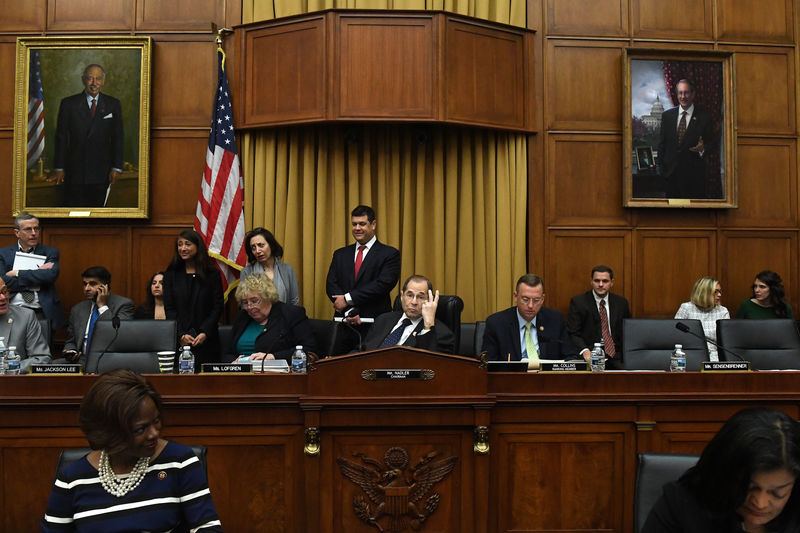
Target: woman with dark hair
(769,298)
(743,481)
(264,256)
(153,306)
(132,475)
(193,297)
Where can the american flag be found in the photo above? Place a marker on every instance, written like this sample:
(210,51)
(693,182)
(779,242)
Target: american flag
(220,216)
(35,111)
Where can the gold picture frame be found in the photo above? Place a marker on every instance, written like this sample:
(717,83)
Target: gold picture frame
(687,169)
(55,128)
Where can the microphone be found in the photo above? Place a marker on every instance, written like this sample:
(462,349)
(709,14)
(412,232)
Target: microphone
(352,311)
(115,323)
(684,328)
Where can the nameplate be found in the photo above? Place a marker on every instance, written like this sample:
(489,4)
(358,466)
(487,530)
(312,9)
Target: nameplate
(57,369)
(565,366)
(679,202)
(80,213)
(725,366)
(217,368)
(375,374)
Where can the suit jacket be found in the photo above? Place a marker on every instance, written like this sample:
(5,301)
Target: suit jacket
(196,305)
(45,279)
(20,327)
(502,336)
(379,273)
(684,170)
(88,148)
(583,321)
(79,317)
(287,327)
(438,339)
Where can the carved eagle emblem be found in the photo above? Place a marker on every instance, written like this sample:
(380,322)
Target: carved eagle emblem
(395,489)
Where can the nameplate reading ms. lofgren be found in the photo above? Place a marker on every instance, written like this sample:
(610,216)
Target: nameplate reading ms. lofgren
(374,374)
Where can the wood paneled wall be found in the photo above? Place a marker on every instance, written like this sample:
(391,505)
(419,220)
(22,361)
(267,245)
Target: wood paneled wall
(576,214)
(184,79)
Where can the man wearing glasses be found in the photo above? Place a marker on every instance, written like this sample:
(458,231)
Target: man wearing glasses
(528,331)
(30,270)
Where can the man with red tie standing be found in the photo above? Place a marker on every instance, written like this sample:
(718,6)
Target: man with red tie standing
(362,275)
(89,142)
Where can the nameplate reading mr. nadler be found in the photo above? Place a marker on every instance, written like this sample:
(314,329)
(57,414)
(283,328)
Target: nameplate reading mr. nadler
(726,366)
(565,366)
(216,368)
(56,369)
(397,373)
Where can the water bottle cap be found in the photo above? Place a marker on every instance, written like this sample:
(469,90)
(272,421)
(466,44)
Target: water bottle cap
(679,346)
(12,347)
(298,347)
(598,345)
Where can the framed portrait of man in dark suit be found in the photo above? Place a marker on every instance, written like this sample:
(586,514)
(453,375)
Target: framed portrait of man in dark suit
(82,126)
(678,129)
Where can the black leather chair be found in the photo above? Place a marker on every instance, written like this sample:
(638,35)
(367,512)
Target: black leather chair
(448,311)
(134,346)
(324,336)
(466,345)
(225,337)
(480,329)
(648,343)
(768,344)
(653,472)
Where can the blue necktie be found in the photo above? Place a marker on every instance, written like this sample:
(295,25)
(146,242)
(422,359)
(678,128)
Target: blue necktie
(92,321)
(394,337)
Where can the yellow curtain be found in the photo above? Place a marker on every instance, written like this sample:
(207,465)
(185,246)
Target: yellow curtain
(452,200)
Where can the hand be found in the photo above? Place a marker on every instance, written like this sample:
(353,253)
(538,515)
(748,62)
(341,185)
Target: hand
(698,147)
(113,175)
(354,320)
(187,339)
(47,266)
(587,355)
(102,295)
(200,339)
(429,309)
(339,303)
(71,355)
(12,274)
(57,177)
(258,356)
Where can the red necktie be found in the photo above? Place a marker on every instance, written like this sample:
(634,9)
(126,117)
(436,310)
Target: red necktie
(94,106)
(608,342)
(682,127)
(359,259)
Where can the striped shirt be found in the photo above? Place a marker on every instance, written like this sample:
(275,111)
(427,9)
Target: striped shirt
(174,491)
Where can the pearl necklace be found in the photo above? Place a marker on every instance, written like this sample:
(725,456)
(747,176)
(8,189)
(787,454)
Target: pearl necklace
(121,485)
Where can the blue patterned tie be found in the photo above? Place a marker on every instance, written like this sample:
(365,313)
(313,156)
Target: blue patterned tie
(92,321)
(394,337)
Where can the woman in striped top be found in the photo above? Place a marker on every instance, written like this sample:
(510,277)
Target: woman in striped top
(133,480)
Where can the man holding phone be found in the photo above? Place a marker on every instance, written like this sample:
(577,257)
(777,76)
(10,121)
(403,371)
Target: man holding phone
(100,304)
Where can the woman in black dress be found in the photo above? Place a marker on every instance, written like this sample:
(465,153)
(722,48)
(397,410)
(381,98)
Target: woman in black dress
(193,297)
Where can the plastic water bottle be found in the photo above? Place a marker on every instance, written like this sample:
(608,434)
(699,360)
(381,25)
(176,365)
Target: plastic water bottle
(2,355)
(186,361)
(677,361)
(298,360)
(598,358)
(12,361)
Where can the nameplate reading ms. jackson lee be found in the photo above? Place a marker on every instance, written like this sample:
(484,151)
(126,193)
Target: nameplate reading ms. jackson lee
(398,373)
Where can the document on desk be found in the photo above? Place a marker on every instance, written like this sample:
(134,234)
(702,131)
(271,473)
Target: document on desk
(24,261)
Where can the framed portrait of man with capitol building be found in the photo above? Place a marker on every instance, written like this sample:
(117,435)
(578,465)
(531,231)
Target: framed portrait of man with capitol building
(678,129)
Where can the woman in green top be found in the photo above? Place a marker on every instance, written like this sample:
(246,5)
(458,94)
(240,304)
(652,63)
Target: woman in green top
(768,301)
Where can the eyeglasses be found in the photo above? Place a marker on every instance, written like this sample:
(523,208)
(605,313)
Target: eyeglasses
(37,229)
(526,300)
(252,302)
(718,291)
